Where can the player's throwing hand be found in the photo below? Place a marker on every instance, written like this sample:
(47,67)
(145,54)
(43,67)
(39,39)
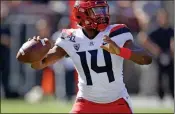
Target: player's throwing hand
(111,46)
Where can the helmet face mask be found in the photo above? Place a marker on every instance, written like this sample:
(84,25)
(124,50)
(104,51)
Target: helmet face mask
(92,14)
(100,10)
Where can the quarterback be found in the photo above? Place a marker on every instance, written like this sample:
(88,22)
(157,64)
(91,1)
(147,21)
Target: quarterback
(97,50)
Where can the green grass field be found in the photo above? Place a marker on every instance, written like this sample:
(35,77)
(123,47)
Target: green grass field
(53,106)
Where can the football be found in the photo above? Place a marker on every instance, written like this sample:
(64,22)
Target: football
(33,50)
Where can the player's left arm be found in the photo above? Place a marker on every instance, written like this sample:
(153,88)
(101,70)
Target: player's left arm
(138,54)
(129,51)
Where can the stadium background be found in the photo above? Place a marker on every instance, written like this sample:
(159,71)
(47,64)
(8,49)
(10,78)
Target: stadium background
(53,89)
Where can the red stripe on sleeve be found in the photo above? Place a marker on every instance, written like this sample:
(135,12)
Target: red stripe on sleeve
(117,27)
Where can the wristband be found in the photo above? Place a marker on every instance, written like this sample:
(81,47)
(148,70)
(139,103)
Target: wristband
(125,53)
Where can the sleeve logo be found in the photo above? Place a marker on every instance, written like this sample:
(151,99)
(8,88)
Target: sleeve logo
(77,46)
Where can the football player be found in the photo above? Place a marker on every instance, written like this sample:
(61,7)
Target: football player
(97,50)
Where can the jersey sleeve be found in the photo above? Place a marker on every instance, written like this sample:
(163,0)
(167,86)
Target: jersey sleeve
(60,41)
(120,34)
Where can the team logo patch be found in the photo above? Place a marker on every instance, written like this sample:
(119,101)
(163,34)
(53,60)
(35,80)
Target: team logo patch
(77,46)
(91,43)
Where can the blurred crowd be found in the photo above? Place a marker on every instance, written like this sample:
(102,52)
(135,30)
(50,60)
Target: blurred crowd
(151,23)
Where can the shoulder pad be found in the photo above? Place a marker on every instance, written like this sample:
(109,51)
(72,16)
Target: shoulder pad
(118,29)
(68,34)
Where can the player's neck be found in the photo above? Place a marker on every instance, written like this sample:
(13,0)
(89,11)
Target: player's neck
(90,33)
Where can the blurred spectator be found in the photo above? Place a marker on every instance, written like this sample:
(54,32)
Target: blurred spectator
(146,13)
(44,31)
(126,15)
(43,28)
(59,6)
(40,1)
(124,12)
(5,52)
(64,69)
(58,67)
(159,44)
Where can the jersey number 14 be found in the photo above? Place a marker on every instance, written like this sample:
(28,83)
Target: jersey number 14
(95,67)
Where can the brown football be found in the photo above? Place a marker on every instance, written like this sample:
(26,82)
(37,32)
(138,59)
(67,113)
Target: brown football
(33,51)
